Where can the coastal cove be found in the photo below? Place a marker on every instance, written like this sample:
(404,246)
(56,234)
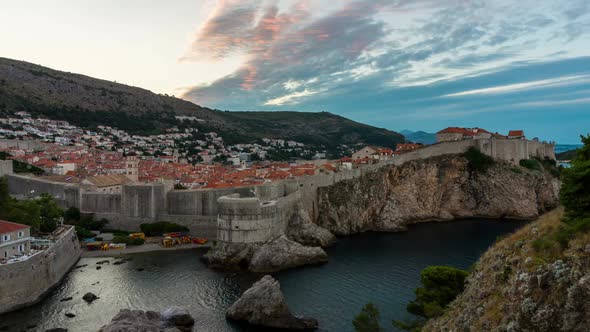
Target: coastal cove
(379,267)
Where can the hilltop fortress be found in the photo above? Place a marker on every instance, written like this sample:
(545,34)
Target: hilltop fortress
(243,214)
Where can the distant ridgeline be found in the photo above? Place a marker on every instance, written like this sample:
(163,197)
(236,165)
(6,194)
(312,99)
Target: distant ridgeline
(88,102)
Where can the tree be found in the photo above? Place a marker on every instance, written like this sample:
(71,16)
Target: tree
(575,190)
(24,212)
(575,196)
(50,213)
(441,285)
(72,215)
(368,319)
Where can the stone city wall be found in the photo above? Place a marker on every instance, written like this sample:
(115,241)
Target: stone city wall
(198,209)
(6,167)
(25,283)
(249,220)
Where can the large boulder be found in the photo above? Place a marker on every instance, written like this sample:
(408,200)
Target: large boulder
(169,320)
(301,229)
(283,253)
(230,256)
(263,304)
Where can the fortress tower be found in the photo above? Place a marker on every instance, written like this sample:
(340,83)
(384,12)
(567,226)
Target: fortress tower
(132,167)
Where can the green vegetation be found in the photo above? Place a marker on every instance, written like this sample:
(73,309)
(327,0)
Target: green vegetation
(575,194)
(89,102)
(440,286)
(84,223)
(575,198)
(159,228)
(532,164)
(20,167)
(42,213)
(368,319)
(478,161)
(83,233)
(72,214)
(128,241)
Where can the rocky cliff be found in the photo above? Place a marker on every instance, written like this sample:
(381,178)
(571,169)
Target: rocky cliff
(434,189)
(520,285)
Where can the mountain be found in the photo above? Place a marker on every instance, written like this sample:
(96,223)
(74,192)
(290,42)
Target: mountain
(89,102)
(419,136)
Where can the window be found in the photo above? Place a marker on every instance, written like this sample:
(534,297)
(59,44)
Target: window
(21,234)
(5,254)
(6,238)
(21,248)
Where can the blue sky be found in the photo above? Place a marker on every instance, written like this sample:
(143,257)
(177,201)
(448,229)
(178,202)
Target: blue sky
(398,64)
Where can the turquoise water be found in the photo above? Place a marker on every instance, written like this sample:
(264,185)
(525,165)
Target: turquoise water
(380,267)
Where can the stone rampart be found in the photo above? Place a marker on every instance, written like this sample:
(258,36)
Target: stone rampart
(250,220)
(65,194)
(5,167)
(25,283)
(198,209)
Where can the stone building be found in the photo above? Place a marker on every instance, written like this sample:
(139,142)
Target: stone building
(458,134)
(132,167)
(15,239)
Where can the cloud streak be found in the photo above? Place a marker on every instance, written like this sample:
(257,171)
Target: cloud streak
(511,88)
(295,49)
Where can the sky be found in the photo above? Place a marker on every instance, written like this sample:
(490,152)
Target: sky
(395,64)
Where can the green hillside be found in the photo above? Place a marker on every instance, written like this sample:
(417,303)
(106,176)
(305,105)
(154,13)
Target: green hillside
(88,102)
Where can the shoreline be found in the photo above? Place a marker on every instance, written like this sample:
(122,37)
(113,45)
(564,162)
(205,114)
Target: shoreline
(148,247)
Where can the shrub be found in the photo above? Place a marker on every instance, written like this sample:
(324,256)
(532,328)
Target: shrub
(441,284)
(128,241)
(88,222)
(531,164)
(159,228)
(575,195)
(368,319)
(478,161)
(72,214)
(83,233)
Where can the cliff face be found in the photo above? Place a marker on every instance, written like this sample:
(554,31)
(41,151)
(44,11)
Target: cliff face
(438,188)
(514,287)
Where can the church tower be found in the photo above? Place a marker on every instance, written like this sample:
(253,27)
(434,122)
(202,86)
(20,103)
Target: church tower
(132,167)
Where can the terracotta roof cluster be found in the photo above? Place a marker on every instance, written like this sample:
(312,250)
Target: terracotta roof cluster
(9,227)
(464,131)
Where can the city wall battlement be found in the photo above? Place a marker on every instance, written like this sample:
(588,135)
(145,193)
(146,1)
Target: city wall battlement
(259,212)
(26,282)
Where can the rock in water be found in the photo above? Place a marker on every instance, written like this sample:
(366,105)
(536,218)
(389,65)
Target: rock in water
(301,229)
(178,317)
(231,256)
(169,320)
(89,297)
(263,304)
(282,253)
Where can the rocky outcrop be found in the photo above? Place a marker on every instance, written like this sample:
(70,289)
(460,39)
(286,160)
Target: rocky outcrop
(230,256)
(264,305)
(514,287)
(278,254)
(301,229)
(169,320)
(434,189)
(282,253)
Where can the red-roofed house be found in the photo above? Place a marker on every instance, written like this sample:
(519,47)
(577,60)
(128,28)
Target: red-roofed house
(406,147)
(15,239)
(458,134)
(516,134)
